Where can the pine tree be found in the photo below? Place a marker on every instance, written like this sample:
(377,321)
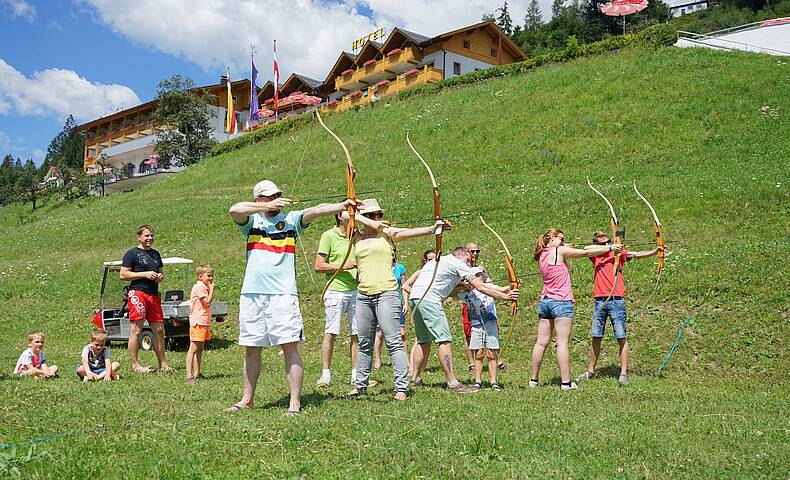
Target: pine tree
(557,9)
(534,19)
(504,21)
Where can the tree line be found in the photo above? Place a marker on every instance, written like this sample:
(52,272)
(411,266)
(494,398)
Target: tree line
(583,20)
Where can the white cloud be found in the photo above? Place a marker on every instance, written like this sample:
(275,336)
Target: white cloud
(20,8)
(58,92)
(310,34)
(18,149)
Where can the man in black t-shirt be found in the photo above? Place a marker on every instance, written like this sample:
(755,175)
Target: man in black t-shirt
(142,265)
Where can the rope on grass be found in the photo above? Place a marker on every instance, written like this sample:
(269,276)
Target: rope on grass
(182,423)
(681,329)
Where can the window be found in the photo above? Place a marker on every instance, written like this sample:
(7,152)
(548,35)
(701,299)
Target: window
(456,68)
(467,44)
(493,52)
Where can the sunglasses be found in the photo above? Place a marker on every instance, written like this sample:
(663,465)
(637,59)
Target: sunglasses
(474,251)
(374,215)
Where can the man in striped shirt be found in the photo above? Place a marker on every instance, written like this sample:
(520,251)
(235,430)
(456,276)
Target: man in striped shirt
(269,304)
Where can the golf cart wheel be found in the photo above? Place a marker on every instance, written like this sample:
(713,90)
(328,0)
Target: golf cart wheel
(147,340)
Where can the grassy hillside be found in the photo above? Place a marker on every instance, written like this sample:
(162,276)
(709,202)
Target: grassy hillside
(703,133)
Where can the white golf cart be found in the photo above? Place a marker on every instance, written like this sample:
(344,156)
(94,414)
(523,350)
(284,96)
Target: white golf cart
(114,317)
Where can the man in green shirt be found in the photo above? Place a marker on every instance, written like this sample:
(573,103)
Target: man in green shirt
(341,296)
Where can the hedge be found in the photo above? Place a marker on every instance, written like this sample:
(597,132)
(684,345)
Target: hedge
(261,134)
(656,36)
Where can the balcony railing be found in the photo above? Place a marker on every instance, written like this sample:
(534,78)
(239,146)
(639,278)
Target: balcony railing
(396,63)
(383,89)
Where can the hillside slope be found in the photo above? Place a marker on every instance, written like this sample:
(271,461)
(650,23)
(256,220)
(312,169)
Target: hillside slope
(703,133)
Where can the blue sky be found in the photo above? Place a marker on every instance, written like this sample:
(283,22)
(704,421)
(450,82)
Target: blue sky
(90,57)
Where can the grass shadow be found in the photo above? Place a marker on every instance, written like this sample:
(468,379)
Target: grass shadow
(313,399)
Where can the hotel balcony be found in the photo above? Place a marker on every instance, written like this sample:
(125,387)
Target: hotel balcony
(395,62)
(384,88)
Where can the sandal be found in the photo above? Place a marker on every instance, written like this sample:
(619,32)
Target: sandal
(142,369)
(235,408)
(292,413)
(497,387)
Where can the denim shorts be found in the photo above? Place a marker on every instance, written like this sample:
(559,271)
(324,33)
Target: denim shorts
(550,309)
(615,310)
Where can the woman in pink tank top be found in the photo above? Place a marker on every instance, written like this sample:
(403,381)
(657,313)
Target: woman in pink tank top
(555,309)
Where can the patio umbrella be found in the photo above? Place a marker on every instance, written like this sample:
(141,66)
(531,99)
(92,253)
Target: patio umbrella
(107,170)
(150,161)
(621,8)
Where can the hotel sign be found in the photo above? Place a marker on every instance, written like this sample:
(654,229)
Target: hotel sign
(375,35)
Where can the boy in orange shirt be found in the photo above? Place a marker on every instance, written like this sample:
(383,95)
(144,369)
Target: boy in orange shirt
(199,317)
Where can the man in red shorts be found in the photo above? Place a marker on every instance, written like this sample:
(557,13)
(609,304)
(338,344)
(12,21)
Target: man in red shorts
(142,265)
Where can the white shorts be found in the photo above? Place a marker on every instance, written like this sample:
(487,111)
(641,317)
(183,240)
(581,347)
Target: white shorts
(335,304)
(484,336)
(267,320)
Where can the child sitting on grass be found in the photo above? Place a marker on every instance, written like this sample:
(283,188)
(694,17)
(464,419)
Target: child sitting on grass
(33,361)
(95,362)
(199,317)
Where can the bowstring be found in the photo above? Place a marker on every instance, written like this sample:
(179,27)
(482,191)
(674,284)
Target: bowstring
(293,186)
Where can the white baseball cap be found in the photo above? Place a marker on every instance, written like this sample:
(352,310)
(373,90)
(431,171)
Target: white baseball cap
(265,188)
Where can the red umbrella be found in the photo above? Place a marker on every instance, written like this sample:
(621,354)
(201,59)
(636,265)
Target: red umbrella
(621,8)
(151,161)
(266,112)
(107,170)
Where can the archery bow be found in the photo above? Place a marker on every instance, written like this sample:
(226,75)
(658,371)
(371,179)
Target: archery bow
(619,237)
(351,209)
(437,215)
(660,243)
(512,277)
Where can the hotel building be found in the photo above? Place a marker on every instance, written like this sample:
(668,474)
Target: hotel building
(124,140)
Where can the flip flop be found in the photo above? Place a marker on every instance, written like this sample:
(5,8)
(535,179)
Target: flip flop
(169,369)
(143,370)
(292,413)
(235,408)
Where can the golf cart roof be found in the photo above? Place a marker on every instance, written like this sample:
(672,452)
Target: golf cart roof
(166,261)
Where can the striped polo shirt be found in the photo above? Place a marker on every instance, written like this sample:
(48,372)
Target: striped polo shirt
(271,246)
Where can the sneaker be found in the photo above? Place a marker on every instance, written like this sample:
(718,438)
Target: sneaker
(416,382)
(533,384)
(461,388)
(585,376)
(478,385)
(623,379)
(323,382)
(572,386)
(497,387)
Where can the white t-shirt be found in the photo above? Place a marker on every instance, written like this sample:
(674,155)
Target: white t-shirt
(450,273)
(27,360)
(480,306)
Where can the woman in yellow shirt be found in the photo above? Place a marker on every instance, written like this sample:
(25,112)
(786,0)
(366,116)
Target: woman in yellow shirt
(378,300)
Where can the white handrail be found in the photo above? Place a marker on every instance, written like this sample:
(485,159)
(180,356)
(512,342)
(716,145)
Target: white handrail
(707,36)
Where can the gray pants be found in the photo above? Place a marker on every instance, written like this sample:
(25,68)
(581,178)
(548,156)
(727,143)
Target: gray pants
(382,310)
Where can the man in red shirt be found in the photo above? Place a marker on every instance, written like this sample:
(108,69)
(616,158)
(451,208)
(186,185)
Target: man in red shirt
(610,302)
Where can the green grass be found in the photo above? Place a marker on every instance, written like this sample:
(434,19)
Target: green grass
(688,125)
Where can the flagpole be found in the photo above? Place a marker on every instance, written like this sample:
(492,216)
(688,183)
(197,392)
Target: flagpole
(276,81)
(253,89)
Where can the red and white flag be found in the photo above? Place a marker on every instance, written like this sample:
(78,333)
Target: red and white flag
(276,78)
